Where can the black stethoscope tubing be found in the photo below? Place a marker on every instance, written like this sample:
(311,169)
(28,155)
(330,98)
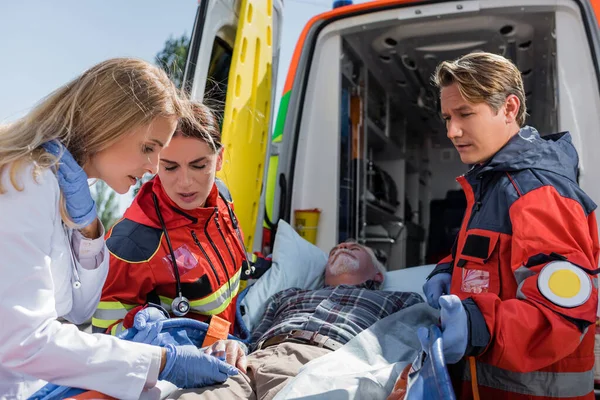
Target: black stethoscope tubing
(180,305)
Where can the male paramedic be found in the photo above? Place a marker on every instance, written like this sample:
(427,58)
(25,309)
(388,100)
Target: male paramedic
(519,291)
(301,325)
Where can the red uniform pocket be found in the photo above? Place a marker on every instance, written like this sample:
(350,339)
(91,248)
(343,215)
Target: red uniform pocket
(478,264)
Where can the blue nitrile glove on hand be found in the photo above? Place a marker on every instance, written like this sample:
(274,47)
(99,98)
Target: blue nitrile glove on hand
(188,367)
(73,183)
(455,328)
(148,322)
(436,286)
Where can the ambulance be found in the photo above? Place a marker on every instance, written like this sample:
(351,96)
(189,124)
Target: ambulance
(357,149)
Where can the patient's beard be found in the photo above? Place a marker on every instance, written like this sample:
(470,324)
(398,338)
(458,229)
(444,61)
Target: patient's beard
(344,264)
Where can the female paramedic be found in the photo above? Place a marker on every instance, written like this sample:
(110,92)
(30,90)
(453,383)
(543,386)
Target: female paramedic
(110,123)
(179,245)
(519,292)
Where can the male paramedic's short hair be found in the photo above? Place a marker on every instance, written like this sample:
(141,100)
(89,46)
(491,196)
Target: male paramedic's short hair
(483,78)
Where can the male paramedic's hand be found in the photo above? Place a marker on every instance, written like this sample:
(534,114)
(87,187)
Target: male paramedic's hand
(455,329)
(188,367)
(148,322)
(436,286)
(73,182)
(229,351)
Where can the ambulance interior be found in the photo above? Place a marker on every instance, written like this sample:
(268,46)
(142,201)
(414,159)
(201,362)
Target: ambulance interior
(369,95)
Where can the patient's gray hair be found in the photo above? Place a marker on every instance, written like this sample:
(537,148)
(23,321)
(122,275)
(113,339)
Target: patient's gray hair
(378,264)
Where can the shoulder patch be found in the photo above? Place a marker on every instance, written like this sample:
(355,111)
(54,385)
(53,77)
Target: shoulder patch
(564,284)
(133,242)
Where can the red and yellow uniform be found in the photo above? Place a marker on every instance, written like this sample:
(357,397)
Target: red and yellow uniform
(207,245)
(524,265)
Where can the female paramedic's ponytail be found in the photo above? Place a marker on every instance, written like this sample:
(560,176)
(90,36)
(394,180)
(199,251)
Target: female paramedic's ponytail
(203,126)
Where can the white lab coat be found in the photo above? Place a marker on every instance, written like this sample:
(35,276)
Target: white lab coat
(38,271)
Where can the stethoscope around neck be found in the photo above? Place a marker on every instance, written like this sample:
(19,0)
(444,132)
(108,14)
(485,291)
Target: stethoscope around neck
(180,305)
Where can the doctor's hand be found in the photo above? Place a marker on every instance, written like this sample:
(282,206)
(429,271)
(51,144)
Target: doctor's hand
(189,367)
(73,183)
(455,330)
(230,351)
(148,322)
(436,286)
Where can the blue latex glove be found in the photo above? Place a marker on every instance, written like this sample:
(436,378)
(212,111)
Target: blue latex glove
(73,183)
(436,286)
(148,322)
(455,329)
(188,367)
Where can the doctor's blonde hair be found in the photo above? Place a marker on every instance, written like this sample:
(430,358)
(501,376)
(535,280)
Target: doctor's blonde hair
(89,114)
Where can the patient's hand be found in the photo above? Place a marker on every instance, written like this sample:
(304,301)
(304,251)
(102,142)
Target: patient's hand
(230,351)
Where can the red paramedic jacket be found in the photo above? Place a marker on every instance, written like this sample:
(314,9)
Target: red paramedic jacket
(208,248)
(525,265)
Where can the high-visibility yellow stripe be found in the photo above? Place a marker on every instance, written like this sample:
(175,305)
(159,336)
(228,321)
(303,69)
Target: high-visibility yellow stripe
(103,323)
(118,328)
(223,306)
(115,305)
(210,298)
(215,303)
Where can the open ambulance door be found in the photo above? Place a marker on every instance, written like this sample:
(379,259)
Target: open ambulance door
(362,72)
(231,66)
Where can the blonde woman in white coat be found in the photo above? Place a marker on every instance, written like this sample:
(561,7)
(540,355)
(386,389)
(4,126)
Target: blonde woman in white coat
(110,123)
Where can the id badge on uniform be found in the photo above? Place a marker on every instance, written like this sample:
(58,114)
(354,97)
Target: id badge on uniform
(475,281)
(185,260)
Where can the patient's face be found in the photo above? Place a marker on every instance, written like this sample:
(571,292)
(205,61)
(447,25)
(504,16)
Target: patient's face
(350,264)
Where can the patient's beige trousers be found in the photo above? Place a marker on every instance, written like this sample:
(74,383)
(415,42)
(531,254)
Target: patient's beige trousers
(268,372)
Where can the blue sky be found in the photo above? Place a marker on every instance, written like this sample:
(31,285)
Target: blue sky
(44,44)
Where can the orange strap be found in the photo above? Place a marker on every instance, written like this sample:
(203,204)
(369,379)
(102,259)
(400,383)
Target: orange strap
(218,329)
(399,391)
(474,385)
(91,394)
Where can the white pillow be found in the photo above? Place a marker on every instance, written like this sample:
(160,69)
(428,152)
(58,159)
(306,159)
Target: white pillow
(296,263)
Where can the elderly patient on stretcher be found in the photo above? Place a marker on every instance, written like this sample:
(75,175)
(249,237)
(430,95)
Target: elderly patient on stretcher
(300,325)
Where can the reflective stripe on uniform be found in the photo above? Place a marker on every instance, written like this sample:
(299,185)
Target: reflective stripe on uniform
(537,383)
(118,328)
(109,312)
(214,303)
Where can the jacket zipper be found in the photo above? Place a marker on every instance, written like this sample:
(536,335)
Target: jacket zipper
(206,256)
(216,213)
(240,242)
(477,203)
(224,242)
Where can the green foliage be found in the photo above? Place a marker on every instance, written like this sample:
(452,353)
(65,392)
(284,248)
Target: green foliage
(107,204)
(140,182)
(173,56)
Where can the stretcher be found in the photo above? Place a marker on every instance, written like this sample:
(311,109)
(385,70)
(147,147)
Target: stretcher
(428,378)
